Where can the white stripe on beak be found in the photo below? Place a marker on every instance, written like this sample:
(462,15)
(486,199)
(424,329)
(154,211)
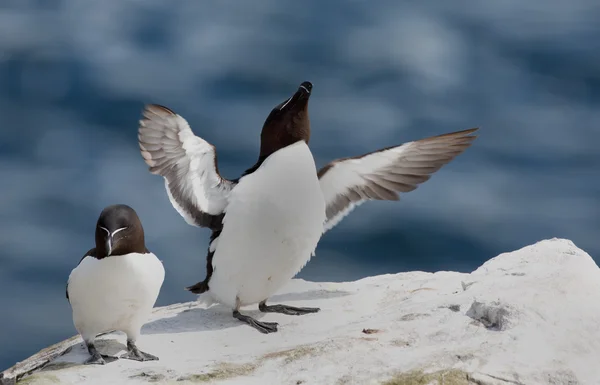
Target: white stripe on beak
(109,239)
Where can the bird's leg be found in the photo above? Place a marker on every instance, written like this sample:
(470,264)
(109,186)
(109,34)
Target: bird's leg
(133,353)
(263,327)
(284,309)
(97,358)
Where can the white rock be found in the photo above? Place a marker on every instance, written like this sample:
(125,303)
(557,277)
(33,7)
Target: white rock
(527,317)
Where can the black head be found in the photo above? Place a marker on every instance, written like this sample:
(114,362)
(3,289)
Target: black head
(287,123)
(119,231)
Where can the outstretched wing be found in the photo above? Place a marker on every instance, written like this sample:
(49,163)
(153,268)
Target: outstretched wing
(187,163)
(381,175)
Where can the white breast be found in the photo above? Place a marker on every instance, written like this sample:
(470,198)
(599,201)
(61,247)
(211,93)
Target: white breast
(271,228)
(117,292)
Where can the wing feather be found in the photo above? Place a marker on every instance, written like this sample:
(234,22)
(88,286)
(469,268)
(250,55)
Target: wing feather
(382,174)
(188,165)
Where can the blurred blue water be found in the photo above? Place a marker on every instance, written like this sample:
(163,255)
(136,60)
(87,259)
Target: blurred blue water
(74,76)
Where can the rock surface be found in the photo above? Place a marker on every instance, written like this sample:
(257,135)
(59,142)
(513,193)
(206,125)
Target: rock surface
(531,316)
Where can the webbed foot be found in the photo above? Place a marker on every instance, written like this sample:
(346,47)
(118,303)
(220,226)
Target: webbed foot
(284,309)
(133,353)
(263,327)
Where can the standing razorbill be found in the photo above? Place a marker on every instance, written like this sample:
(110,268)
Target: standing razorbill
(266,224)
(115,285)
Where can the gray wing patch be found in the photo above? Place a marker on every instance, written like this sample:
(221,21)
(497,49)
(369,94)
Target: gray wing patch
(382,174)
(188,165)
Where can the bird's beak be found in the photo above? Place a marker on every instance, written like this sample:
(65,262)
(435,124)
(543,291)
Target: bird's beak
(108,246)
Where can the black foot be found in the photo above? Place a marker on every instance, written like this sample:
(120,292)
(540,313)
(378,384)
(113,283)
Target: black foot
(136,354)
(284,309)
(263,327)
(97,358)
(100,359)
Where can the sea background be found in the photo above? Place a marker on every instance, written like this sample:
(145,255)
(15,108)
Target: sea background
(74,76)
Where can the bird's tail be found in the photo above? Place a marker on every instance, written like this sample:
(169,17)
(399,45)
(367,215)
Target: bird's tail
(198,288)
(204,296)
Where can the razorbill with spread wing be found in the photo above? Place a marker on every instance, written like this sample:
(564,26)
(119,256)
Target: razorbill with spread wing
(115,284)
(266,224)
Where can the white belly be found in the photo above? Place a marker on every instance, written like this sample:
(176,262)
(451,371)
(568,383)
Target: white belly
(117,292)
(271,228)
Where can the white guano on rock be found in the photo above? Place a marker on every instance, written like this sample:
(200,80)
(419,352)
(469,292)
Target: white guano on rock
(531,316)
